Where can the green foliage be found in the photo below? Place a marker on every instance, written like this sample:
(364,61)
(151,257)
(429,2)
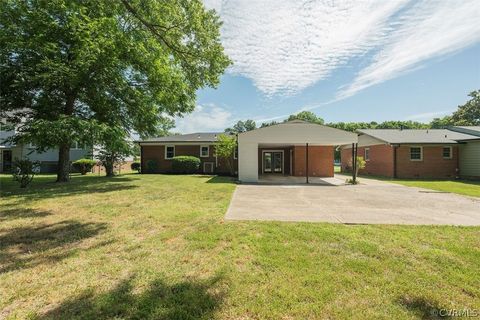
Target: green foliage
(225,149)
(84,165)
(152,166)
(306,116)
(23,171)
(69,67)
(114,148)
(469,113)
(185,164)
(242,126)
(136,166)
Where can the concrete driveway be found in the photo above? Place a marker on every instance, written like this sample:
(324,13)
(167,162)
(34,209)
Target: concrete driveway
(372,202)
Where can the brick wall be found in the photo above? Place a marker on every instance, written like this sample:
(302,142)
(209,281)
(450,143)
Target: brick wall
(432,166)
(157,153)
(320,161)
(381,162)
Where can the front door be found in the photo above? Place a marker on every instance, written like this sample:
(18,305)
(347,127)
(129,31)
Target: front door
(272,162)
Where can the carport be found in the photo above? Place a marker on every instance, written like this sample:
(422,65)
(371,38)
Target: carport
(291,149)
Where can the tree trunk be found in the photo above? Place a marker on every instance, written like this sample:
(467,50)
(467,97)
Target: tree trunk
(63,166)
(109,168)
(63,170)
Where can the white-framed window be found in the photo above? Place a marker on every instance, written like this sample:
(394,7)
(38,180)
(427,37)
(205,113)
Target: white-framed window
(367,154)
(204,151)
(447,152)
(235,153)
(416,153)
(74,145)
(169,152)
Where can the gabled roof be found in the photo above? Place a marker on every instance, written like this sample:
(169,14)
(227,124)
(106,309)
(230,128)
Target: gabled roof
(416,135)
(190,137)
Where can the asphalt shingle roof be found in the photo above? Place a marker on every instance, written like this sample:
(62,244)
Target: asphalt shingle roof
(417,135)
(190,137)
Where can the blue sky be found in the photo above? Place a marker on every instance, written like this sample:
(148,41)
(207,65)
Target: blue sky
(345,61)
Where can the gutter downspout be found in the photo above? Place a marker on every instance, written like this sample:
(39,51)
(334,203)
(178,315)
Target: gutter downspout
(394,161)
(306,161)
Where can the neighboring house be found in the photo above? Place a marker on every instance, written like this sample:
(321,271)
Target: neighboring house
(284,149)
(411,153)
(48,160)
(469,151)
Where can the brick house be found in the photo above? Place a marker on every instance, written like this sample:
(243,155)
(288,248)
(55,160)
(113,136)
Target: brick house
(408,153)
(285,149)
(201,145)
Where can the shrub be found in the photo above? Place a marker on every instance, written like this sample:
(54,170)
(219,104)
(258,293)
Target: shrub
(185,164)
(136,166)
(152,166)
(23,171)
(84,165)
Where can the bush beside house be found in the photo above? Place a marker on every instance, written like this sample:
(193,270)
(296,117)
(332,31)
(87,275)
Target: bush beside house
(185,164)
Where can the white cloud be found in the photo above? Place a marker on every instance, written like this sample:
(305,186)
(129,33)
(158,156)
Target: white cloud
(285,46)
(428,116)
(427,30)
(207,117)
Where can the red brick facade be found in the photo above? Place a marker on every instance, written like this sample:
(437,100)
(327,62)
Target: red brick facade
(157,153)
(382,163)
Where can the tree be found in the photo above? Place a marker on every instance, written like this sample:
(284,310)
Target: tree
(115,147)
(242,126)
(69,67)
(440,123)
(225,149)
(306,116)
(469,113)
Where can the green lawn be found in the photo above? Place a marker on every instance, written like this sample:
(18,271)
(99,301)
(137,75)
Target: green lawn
(465,187)
(156,247)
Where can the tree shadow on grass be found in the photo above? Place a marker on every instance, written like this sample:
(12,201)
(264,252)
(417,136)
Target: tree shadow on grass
(217,179)
(423,308)
(192,299)
(27,247)
(79,185)
(22,213)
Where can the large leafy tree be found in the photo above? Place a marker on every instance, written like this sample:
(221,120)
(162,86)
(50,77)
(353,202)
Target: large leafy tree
(71,69)
(469,113)
(306,116)
(242,126)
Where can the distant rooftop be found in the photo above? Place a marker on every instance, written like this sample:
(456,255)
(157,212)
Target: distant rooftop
(473,130)
(190,137)
(417,135)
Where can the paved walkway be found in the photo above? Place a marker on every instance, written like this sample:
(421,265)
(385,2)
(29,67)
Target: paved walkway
(372,202)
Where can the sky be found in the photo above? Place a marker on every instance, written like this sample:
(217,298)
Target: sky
(357,60)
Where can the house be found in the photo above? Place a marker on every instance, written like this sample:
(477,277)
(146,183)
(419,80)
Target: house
(161,150)
(413,153)
(469,151)
(48,159)
(295,148)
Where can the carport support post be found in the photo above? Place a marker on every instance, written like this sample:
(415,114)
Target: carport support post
(306,161)
(354,162)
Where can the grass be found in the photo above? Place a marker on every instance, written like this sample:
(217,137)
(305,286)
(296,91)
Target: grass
(157,247)
(464,187)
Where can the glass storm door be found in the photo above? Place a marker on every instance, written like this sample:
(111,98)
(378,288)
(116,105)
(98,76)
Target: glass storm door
(272,162)
(267,162)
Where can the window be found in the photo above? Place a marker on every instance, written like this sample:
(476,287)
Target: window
(169,152)
(367,154)
(447,152)
(416,154)
(235,153)
(204,151)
